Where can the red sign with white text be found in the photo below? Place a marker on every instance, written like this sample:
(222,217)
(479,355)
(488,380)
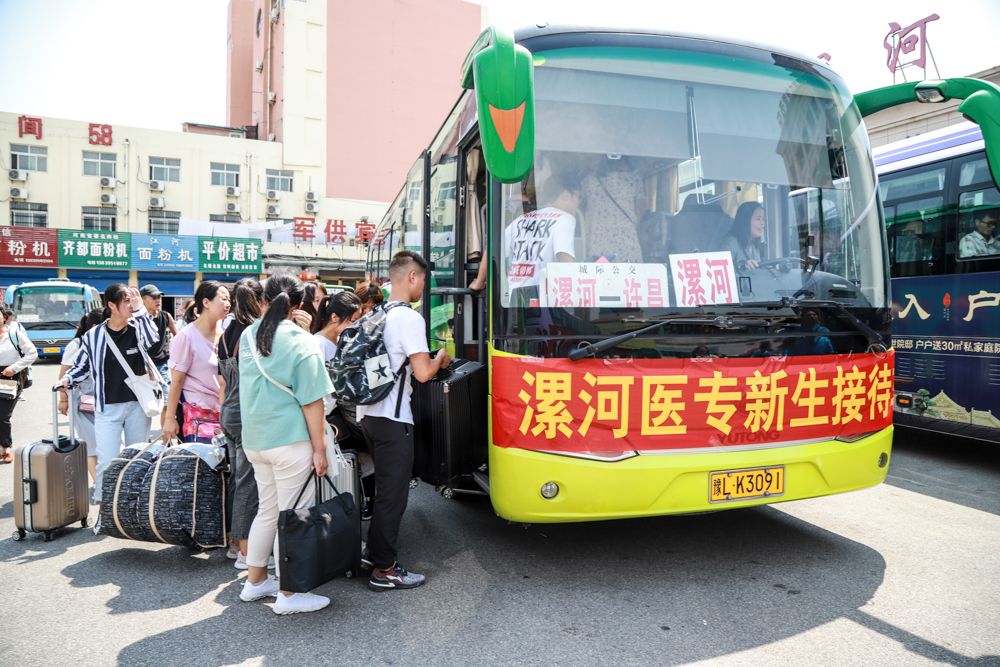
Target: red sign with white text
(613,405)
(29,246)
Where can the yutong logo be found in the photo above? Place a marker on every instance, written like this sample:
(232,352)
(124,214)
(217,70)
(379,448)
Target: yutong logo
(748,438)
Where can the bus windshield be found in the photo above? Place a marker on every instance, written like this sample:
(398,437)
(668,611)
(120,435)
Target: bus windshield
(49,307)
(668,180)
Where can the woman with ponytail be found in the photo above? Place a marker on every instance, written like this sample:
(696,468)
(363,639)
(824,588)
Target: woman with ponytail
(336,312)
(247,304)
(282,384)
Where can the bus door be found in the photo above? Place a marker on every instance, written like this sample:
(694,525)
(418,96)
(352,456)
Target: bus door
(451,410)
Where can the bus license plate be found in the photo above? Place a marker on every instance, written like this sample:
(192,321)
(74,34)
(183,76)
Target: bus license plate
(50,350)
(726,485)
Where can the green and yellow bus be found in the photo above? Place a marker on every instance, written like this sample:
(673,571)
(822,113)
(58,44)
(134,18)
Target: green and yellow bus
(684,301)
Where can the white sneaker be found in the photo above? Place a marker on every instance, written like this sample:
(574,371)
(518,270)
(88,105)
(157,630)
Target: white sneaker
(267,588)
(233,553)
(241,562)
(299,603)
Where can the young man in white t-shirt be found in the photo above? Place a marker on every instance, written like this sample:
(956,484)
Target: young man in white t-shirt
(546,235)
(388,424)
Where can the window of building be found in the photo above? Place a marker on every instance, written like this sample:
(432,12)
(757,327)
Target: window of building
(164,222)
(165,169)
(214,217)
(30,158)
(99,164)
(225,174)
(280,179)
(26,214)
(98,218)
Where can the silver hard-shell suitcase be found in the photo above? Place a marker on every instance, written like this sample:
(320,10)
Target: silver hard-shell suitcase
(50,482)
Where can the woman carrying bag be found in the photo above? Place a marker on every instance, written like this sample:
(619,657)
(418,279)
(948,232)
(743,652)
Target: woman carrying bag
(17,353)
(194,368)
(282,384)
(114,356)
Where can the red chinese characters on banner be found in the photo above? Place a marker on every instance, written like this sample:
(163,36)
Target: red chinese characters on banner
(99,134)
(30,125)
(304,229)
(645,404)
(29,246)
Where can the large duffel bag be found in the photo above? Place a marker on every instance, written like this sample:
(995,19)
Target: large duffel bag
(164,495)
(183,501)
(121,486)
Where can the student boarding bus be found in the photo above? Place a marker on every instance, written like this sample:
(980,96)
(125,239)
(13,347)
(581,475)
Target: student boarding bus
(941,210)
(685,299)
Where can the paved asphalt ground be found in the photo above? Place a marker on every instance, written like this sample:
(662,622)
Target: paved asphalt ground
(904,573)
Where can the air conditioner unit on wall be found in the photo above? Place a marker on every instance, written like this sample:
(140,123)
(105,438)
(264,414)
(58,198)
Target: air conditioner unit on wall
(272,97)
(232,191)
(259,65)
(107,181)
(108,200)
(311,196)
(156,186)
(18,193)
(312,207)
(157,202)
(275,14)
(273,195)
(17,174)
(232,207)
(274,209)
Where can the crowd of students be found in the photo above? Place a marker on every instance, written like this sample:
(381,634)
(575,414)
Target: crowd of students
(252,361)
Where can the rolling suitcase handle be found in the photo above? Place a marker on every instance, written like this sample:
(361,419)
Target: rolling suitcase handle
(55,423)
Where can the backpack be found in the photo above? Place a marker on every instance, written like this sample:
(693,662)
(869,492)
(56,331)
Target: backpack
(360,370)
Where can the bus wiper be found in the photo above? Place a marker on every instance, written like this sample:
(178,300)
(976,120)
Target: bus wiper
(874,337)
(722,322)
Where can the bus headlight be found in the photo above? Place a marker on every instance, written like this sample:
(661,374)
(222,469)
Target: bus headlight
(550,490)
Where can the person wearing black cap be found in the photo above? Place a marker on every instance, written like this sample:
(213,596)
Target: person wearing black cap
(152,299)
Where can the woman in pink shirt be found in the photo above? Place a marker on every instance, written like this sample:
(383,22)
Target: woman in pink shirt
(194,368)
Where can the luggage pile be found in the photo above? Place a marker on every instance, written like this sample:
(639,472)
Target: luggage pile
(172,495)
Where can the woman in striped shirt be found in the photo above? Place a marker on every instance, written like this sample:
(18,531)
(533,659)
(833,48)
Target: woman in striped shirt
(117,411)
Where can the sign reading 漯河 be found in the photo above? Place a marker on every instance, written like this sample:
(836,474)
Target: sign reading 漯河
(229,255)
(94,250)
(159,252)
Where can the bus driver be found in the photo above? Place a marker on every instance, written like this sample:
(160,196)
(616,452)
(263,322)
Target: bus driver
(538,237)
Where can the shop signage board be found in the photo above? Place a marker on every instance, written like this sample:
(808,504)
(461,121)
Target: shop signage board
(28,247)
(82,249)
(229,255)
(160,252)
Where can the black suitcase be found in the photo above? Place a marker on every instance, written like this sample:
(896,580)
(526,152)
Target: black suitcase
(449,419)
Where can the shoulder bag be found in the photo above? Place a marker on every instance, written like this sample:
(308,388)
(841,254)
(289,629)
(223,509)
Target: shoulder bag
(26,378)
(147,388)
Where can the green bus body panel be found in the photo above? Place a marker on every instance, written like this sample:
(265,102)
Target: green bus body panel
(502,75)
(980,103)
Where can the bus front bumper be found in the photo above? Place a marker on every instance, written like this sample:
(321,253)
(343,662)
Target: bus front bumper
(674,483)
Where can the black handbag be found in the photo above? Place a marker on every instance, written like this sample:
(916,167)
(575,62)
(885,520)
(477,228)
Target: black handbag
(318,543)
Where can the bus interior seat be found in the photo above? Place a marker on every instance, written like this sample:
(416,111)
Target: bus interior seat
(699,228)
(654,235)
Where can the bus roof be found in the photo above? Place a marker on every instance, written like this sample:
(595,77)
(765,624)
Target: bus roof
(928,147)
(51,283)
(563,36)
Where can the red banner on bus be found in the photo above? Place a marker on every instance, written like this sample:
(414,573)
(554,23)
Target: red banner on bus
(614,405)
(29,246)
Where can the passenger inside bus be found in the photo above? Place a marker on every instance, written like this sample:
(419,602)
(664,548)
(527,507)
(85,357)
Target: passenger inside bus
(911,244)
(538,237)
(699,227)
(746,240)
(981,241)
(614,200)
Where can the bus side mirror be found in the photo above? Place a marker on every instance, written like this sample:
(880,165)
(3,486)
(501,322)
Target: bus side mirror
(501,72)
(980,104)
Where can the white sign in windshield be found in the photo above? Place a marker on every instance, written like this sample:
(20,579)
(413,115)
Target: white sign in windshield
(704,278)
(604,285)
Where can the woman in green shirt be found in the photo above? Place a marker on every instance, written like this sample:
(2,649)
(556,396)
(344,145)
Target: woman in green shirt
(282,384)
